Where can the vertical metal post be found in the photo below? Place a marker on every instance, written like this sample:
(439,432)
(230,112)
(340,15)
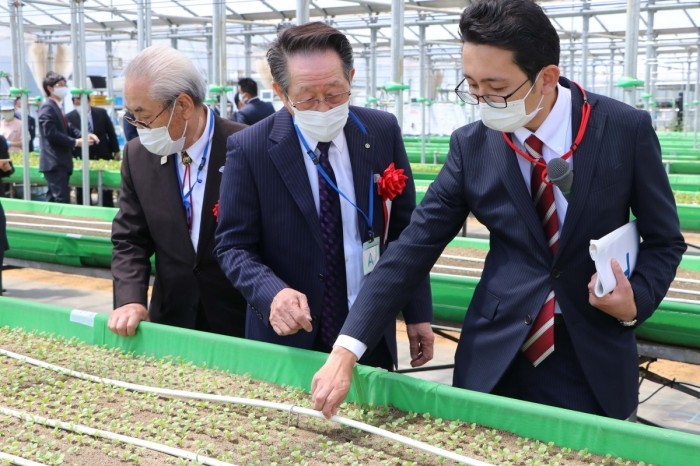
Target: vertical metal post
(572,59)
(173,37)
(688,101)
(210,56)
(110,73)
(51,57)
(650,58)
(302,12)
(140,26)
(423,91)
(221,13)
(248,38)
(373,60)
(584,44)
(368,77)
(18,80)
(215,57)
(147,36)
(611,70)
(696,94)
(631,43)
(81,83)
(397,53)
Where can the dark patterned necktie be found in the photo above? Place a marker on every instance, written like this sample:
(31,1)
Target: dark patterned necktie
(540,340)
(335,295)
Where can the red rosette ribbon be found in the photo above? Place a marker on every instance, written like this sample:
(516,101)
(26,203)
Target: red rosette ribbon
(215,211)
(389,185)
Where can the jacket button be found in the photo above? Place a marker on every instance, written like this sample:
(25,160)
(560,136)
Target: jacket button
(528,320)
(321,276)
(196,270)
(555,273)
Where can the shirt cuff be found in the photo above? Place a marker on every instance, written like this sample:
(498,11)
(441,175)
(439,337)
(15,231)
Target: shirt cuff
(351,344)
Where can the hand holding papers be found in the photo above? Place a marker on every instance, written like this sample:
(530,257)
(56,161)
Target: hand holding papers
(621,244)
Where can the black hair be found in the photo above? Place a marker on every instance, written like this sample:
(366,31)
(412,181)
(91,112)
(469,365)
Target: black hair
(51,79)
(520,26)
(249,86)
(307,38)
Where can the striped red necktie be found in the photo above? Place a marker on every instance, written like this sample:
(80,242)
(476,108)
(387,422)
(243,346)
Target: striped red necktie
(540,340)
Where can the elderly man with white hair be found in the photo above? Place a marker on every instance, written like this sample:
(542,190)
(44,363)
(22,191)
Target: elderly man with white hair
(168,206)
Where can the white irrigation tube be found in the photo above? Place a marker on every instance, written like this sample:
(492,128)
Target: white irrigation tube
(59,219)
(81,429)
(462,258)
(682,290)
(19,461)
(291,409)
(457,267)
(57,227)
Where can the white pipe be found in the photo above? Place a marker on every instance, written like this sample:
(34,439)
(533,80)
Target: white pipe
(81,429)
(457,267)
(57,227)
(447,256)
(291,409)
(19,461)
(58,219)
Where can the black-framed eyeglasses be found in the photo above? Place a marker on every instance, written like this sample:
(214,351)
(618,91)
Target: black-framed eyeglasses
(310,104)
(141,124)
(495,101)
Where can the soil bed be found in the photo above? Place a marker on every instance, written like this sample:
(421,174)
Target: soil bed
(233,433)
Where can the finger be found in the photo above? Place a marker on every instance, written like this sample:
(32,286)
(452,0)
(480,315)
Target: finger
(414,347)
(618,272)
(320,394)
(306,321)
(131,325)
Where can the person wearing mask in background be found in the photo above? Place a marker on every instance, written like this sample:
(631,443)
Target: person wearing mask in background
(99,124)
(253,109)
(10,126)
(58,139)
(534,330)
(170,188)
(31,122)
(297,249)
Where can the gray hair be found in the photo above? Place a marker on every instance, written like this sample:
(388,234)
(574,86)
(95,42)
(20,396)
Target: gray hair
(304,39)
(169,72)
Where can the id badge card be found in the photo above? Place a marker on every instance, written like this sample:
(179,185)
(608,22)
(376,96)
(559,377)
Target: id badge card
(370,255)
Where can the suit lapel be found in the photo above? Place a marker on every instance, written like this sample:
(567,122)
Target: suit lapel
(168,182)
(286,156)
(507,164)
(585,160)
(361,149)
(217,158)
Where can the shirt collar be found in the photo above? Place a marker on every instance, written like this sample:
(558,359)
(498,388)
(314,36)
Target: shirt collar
(549,131)
(195,151)
(339,142)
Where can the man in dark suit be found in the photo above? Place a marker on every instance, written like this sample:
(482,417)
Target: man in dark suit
(253,109)
(30,119)
(170,187)
(288,241)
(101,125)
(58,139)
(538,274)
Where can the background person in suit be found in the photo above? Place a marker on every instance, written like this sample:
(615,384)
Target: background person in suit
(165,209)
(58,139)
(101,125)
(31,122)
(129,129)
(510,55)
(253,109)
(285,239)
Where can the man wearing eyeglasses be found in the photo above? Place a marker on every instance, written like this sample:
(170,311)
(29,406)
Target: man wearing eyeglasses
(533,330)
(170,187)
(302,222)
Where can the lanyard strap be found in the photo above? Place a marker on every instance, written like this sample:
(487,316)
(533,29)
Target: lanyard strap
(203,162)
(330,182)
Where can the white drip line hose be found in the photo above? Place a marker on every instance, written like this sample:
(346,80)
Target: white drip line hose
(81,429)
(19,461)
(291,409)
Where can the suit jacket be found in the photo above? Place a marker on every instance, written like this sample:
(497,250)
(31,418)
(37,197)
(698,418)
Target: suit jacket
(57,138)
(103,128)
(4,245)
(616,168)
(269,235)
(254,111)
(152,219)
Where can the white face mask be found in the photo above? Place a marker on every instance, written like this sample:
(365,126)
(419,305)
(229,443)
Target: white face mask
(60,92)
(322,126)
(158,141)
(7,114)
(513,117)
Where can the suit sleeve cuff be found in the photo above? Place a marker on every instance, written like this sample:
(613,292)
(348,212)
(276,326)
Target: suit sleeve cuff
(351,344)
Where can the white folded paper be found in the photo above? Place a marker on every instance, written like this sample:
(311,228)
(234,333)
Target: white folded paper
(621,244)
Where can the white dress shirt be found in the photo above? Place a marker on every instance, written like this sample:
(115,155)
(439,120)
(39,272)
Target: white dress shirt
(339,158)
(196,152)
(556,141)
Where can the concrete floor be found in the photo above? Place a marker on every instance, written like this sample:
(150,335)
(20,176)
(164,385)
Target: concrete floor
(668,407)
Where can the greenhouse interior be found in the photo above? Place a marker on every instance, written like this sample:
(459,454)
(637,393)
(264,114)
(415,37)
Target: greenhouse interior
(168,292)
